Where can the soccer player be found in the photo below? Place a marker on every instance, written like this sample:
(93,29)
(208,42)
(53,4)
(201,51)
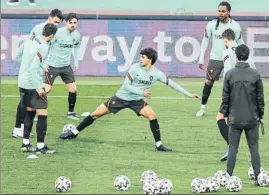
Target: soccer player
(137,85)
(230,60)
(214,30)
(32,91)
(55,17)
(65,42)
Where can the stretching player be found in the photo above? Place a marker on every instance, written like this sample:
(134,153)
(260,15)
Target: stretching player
(55,17)
(214,29)
(33,94)
(65,42)
(137,84)
(230,59)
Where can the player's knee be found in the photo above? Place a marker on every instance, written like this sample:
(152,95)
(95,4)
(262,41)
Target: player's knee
(47,88)
(209,82)
(152,116)
(72,88)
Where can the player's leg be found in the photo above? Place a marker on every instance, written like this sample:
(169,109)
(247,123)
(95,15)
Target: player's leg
(28,124)
(112,105)
(68,78)
(234,140)
(252,136)
(20,115)
(40,104)
(224,131)
(212,74)
(72,99)
(141,108)
(28,120)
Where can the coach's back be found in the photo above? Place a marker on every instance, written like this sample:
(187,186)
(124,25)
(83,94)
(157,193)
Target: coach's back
(243,100)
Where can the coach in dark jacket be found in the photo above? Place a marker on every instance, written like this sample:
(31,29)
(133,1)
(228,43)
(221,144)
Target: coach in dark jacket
(243,104)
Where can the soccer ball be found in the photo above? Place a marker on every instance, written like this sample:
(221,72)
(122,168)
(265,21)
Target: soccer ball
(165,186)
(151,187)
(234,184)
(263,178)
(212,184)
(148,176)
(63,184)
(122,183)
(68,127)
(222,177)
(198,185)
(251,172)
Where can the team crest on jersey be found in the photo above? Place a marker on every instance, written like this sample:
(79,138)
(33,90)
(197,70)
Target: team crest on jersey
(151,78)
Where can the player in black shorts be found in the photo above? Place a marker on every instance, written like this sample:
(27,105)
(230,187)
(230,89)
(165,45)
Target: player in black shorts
(214,30)
(65,42)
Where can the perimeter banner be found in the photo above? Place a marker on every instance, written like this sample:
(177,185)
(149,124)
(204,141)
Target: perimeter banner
(109,47)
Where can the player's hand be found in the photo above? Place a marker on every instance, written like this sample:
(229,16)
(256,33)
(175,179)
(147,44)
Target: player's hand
(195,96)
(147,94)
(40,92)
(75,69)
(46,69)
(201,66)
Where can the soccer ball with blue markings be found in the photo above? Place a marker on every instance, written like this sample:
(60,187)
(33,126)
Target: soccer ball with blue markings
(63,184)
(212,184)
(147,176)
(234,184)
(263,179)
(68,127)
(198,185)
(222,177)
(122,183)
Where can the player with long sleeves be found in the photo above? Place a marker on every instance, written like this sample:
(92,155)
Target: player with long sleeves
(137,86)
(214,30)
(65,44)
(230,60)
(55,17)
(32,92)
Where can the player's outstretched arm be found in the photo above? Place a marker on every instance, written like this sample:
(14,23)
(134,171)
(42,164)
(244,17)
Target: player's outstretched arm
(163,78)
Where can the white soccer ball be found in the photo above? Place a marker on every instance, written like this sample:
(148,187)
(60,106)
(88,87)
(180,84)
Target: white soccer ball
(122,183)
(198,185)
(212,184)
(165,186)
(251,172)
(68,127)
(222,177)
(151,187)
(234,184)
(63,184)
(147,176)
(263,179)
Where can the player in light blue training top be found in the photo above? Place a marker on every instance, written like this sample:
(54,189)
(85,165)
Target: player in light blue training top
(214,30)
(32,92)
(65,44)
(137,86)
(55,17)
